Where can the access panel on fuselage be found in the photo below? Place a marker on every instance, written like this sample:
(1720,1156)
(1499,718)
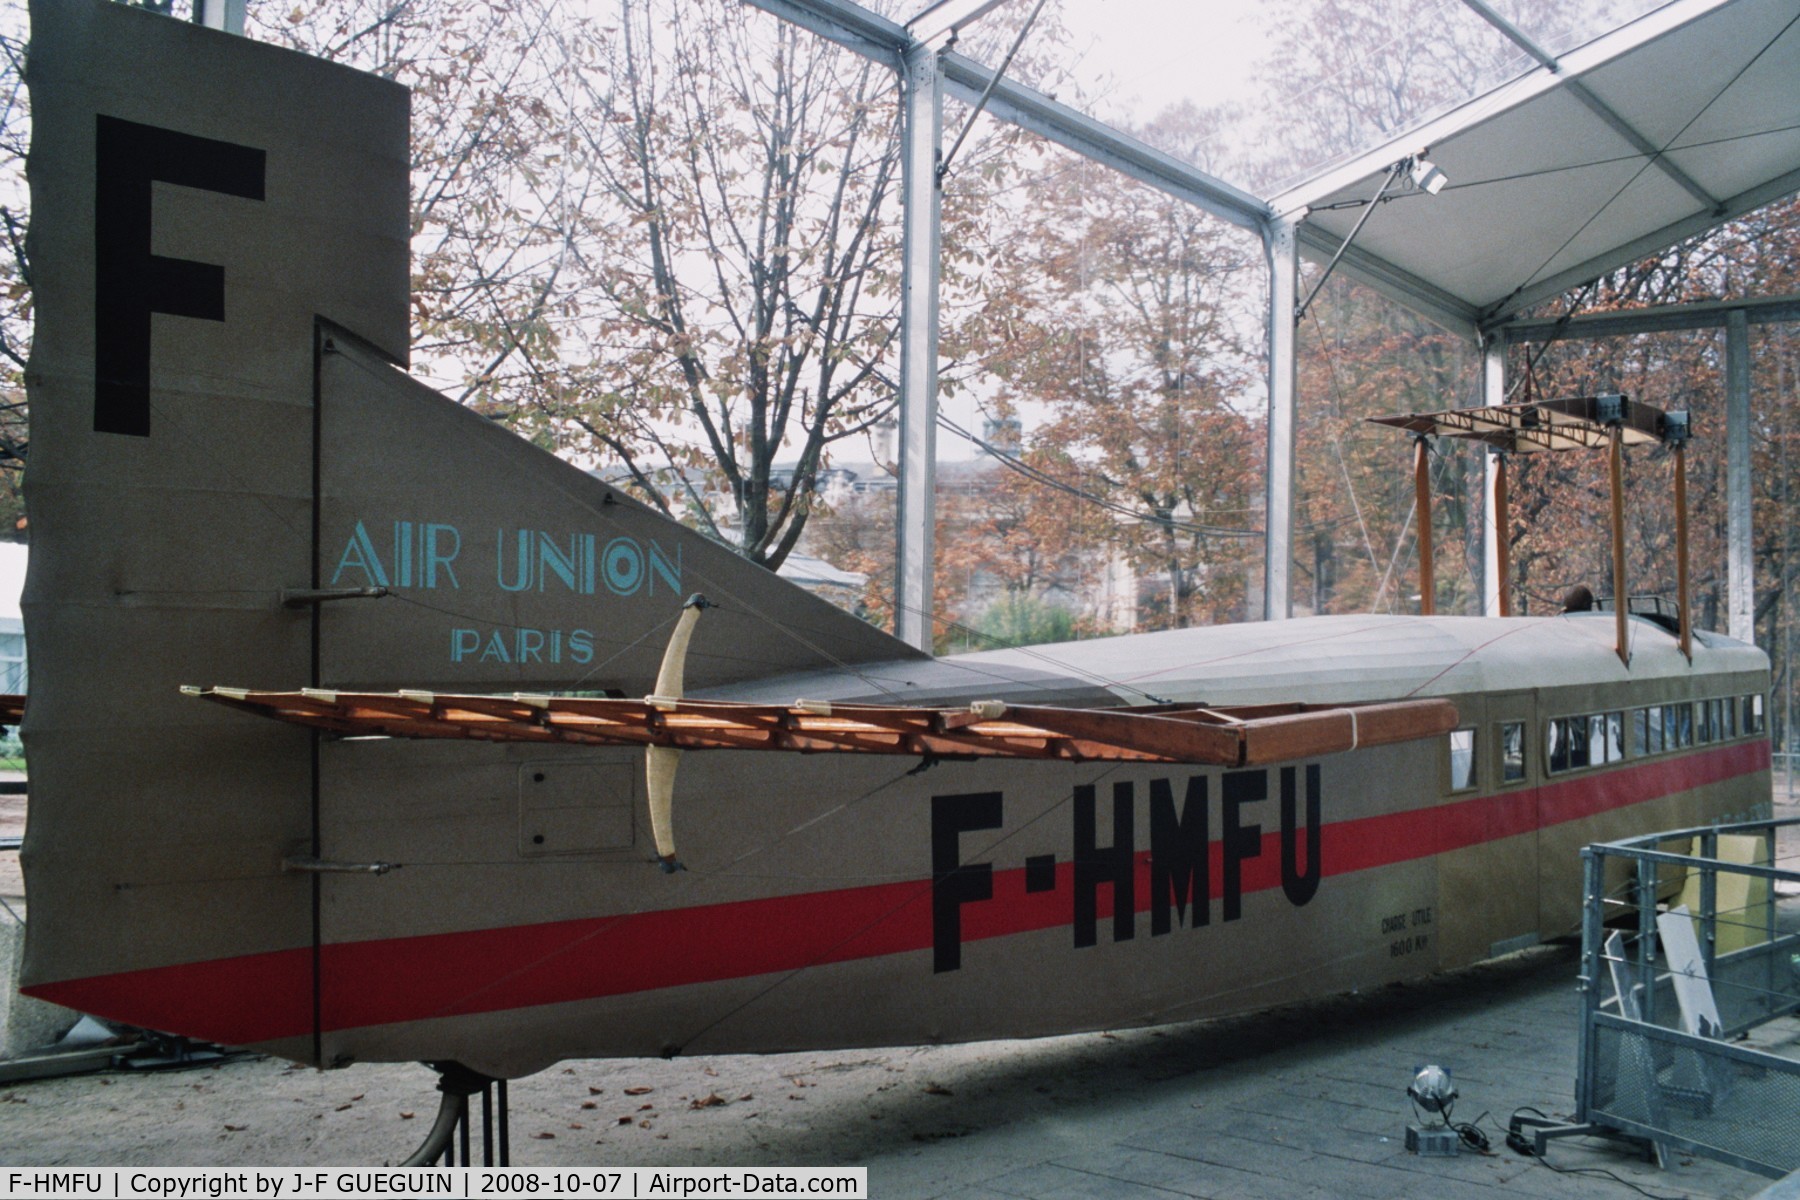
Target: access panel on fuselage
(1489,883)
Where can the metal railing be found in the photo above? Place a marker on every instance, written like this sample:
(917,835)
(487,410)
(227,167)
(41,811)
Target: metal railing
(1685,964)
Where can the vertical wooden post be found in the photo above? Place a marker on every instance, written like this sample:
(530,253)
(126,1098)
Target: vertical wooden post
(1621,593)
(1681,553)
(1422,496)
(1502,536)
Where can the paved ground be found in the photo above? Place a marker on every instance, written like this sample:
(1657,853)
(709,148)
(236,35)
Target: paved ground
(12,825)
(1306,1103)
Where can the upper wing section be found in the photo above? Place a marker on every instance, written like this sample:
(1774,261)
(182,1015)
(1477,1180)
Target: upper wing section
(1535,426)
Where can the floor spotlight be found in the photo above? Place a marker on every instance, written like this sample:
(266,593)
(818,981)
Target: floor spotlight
(1432,1090)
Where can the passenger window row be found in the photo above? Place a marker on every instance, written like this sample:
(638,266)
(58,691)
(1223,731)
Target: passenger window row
(1589,741)
(1595,739)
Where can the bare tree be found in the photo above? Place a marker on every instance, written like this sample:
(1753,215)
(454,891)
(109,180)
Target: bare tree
(750,266)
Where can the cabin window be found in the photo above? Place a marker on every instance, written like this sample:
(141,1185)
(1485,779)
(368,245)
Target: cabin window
(1462,759)
(1703,728)
(1512,751)
(1753,715)
(1718,719)
(1686,714)
(1653,729)
(1580,748)
(1671,728)
(1615,737)
(1571,743)
(1731,717)
(1567,743)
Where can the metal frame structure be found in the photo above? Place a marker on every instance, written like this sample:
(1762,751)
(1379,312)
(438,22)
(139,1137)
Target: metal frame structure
(918,51)
(1552,74)
(220,14)
(930,72)
(1643,1074)
(1735,317)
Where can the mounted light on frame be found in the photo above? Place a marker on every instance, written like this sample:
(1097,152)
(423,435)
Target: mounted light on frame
(1426,175)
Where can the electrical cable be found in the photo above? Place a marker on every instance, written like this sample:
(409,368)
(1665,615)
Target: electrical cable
(1443,1103)
(1519,1143)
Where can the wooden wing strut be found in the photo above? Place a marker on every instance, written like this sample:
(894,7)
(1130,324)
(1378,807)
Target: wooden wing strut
(660,762)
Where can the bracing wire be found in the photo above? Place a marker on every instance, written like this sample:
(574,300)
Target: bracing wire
(1650,160)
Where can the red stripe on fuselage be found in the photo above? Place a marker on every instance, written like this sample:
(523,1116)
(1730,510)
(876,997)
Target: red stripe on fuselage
(266,997)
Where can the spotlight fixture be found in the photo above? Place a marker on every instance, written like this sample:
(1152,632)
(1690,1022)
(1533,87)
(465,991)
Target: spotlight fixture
(1432,1089)
(1426,176)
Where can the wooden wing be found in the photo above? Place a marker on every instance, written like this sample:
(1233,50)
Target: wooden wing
(1232,737)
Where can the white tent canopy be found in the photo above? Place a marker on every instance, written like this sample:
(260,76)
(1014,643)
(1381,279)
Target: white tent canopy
(1668,127)
(1595,152)
(1663,128)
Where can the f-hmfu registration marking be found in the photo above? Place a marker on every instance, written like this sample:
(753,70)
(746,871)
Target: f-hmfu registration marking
(1181,858)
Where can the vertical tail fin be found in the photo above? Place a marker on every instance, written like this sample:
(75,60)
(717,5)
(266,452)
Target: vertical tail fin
(226,487)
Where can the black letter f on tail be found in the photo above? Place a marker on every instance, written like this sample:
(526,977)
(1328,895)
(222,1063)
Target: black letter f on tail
(130,283)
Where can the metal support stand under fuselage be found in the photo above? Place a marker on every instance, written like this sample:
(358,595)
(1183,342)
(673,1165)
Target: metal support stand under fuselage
(449,1134)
